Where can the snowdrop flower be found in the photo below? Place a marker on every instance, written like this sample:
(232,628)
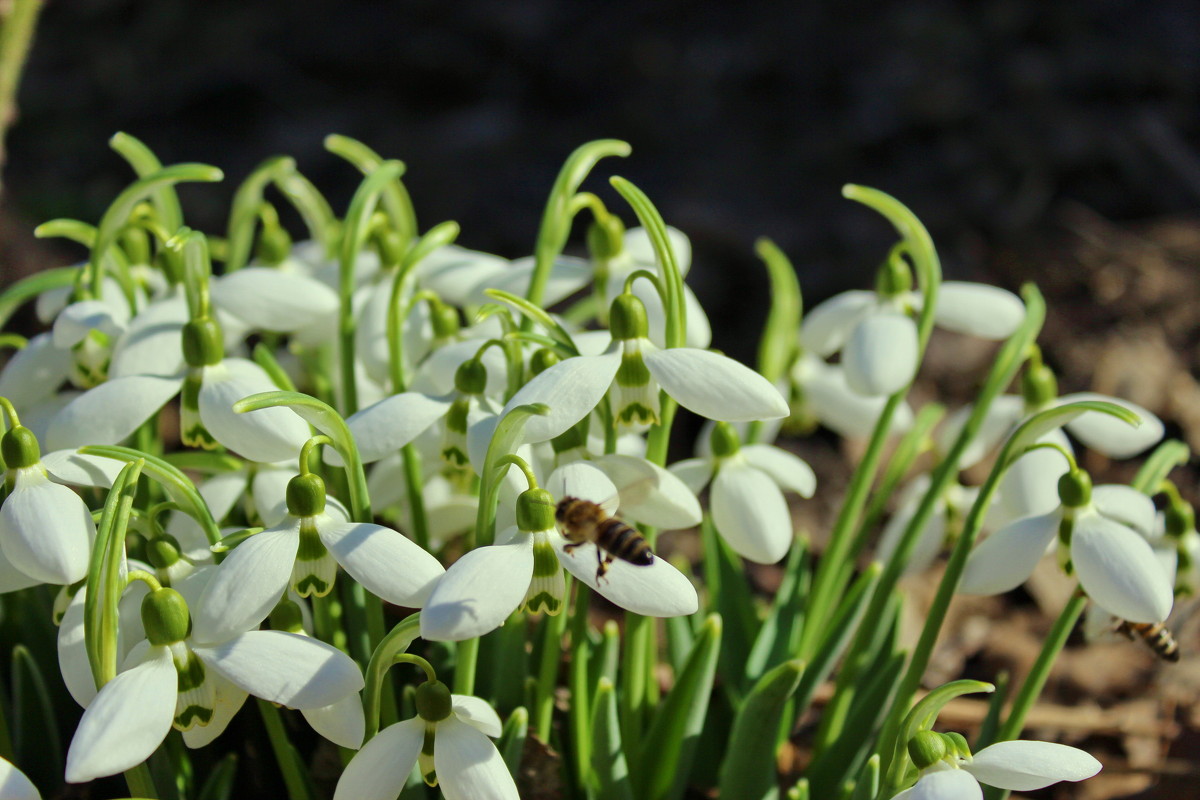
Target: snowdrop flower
(304,552)
(1104,536)
(823,393)
(487,584)
(948,771)
(173,678)
(945,521)
(448,739)
(112,411)
(46,530)
(747,503)
(632,370)
(877,336)
(275,299)
(14,785)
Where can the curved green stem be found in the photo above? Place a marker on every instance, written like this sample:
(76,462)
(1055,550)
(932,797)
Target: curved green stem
(396,200)
(397,641)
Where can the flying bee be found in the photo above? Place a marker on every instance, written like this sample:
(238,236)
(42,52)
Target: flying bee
(1154,634)
(582,521)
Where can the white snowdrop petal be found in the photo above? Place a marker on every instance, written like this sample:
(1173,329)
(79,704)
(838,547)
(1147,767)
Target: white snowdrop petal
(827,325)
(477,713)
(713,385)
(385,561)
(268,490)
(153,342)
(469,767)
(571,388)
(789,471)
(75,469)
(453,272)
(342,722)
(694,472)
(1118,570)
(650,494)
(988,312)
(1030,485)
(1022,766)
(1006,559)
(947,784)
(582,479)
(46,531)
(34,371)
(1126,505)
(653,590)
(750,513)
(73,662)
(479,591)
(273,299)
(268,434)
(435,375)
(699,331)
(12,579)
(1109,435)
(843,410)
(567,276)
(111,412)
(230,700)
(246,585)
(880,357)
(383,428)
(380,770)
(128,719)
(14,785)
(285,668)
(77,320)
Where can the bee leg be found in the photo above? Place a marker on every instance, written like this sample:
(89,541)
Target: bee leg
(602,566)
(569,549)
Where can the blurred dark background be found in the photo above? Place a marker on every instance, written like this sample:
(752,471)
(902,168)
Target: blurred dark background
(745,121)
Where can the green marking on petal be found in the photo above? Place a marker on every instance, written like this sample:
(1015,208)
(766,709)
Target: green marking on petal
(315,569)
(633,370)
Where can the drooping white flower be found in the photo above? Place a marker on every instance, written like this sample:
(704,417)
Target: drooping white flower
(14,785)
(746,499)
(463,761)
(304,551)
(948,513)
(1104,530)
(823,392)
(174,679)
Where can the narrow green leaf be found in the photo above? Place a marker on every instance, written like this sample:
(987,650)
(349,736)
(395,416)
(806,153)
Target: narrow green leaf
(72,229)
(748,770)
(777,348)
(512,739)
(867,784)
(34,724)
(396,200)
(680,639)
(778,632)
(729,596)
(1166,457)
(313,207)
(656,228)
(535,313)
(609,766)
(27,289)
(178,486)
(991,722)
(265,358)
(144,163)
(665,759)
(607,656)
(204,461)
(1051,419)
(219,784)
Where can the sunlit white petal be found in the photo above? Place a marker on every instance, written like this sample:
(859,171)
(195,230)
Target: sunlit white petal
(34,371)
(713,385)
(1118,570)
(342,722)
(45,529)
(479,591)
(111,412)
(1006,559)
(380,770)
(948,784)
(1022,766)
(285,668)
(978,309)
(827,326)
(152,344)
(386,562)
(469,766)
(477,713)
(880,357)
(383,428)
(1109,435)
(571,389)
(268,434)
(1126,505)
(14,785)
(789,471)
(272,299)
(750,513)
(247,584)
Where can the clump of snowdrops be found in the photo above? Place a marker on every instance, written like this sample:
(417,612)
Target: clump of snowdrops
(218,477)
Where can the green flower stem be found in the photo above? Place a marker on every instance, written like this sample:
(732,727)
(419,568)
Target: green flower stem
(16,35)
(295,774)
(637,669)
(104,584)
(1035,681)
(140,782)
(197,270)
(1166,457)
(547,678)
(578,683)
(675,330)
(396,642)
(327,619)
(243,213)
(1023,438)
(144,162)
(354,235)
(559,213)
(396,200)
(436,238)
(778,346)
(413,483)
(830,578)
(466,662)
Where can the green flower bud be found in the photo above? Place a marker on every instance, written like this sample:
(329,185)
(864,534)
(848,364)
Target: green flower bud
(203,343)
(286,616)
(894,277)
(19,447)
(391,247)
(1075,488)
(926,749)
(163,551)
(433,701)
(542,360)
(446,324)
(1179,518)
(1038,385)
(306,495)
(627,318)
(724,440)
(274,245)
(471,377)
(535,510)
(956,744)
(606,237)
(165,617)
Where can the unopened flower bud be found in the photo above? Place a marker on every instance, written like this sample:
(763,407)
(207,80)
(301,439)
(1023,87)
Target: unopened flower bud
(165,617)
(926,749)
(19,447)
(535,510)
(433,701)
(306,495)
(1075,488)
(627,318)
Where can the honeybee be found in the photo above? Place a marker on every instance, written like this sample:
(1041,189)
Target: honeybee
(1154,634)
(582,521)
